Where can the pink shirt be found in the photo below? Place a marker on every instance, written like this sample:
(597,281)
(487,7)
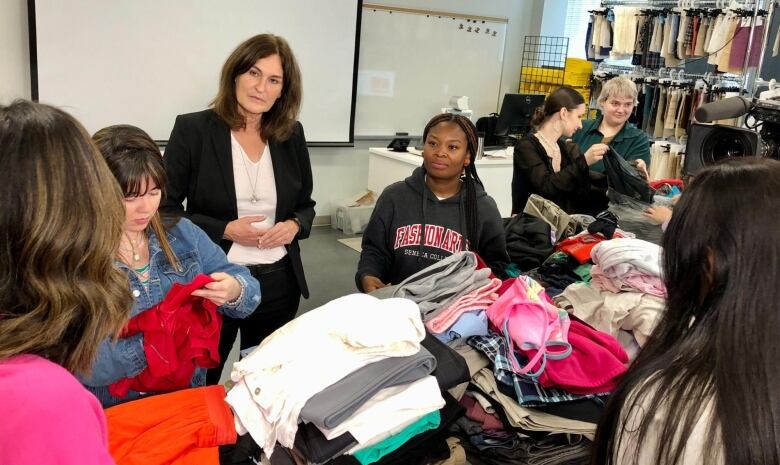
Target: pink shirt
(48,417)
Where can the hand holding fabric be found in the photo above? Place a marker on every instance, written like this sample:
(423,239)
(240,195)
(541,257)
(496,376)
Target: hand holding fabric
(658,214)
(224,288)
(595,153)
(372,283)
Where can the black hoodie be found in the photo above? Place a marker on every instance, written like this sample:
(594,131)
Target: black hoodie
(391,242)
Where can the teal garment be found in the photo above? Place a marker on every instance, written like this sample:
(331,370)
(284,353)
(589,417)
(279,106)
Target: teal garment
(373,453)
(512,271)
(583,271)
(630,142)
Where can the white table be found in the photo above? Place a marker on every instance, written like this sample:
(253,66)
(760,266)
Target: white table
(386,167)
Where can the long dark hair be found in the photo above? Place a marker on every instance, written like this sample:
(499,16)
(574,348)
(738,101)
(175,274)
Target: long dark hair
(133,157)
(470,177)
(562,97)
(278,122)
(717,341)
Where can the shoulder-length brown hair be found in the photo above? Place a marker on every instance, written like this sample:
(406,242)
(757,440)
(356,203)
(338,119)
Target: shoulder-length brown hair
(133,157)
(277,123)
(60,225)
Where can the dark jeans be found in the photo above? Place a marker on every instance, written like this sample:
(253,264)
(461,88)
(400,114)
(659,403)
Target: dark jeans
(279,299)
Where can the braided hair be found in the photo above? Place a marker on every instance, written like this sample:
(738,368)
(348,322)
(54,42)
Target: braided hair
(470,177)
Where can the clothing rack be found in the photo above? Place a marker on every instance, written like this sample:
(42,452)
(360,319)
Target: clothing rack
(751,8)
(673,3)
(640,73)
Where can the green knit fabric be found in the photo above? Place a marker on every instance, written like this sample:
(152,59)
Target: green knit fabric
(373,453)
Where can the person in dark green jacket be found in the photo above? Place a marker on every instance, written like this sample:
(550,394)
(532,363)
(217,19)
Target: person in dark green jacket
(617,101)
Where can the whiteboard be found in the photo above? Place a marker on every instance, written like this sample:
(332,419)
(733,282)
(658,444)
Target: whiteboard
(412,63)
(143,62)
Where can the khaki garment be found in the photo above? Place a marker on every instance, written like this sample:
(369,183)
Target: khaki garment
(457,454)
(530,419)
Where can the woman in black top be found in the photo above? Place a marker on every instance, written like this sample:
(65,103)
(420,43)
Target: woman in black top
(555,169)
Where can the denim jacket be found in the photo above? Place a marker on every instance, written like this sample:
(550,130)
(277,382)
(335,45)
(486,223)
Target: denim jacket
(197,254)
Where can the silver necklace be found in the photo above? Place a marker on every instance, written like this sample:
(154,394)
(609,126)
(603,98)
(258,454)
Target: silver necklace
(244,156)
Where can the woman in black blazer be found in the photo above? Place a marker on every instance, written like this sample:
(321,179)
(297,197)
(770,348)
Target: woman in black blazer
(244,171)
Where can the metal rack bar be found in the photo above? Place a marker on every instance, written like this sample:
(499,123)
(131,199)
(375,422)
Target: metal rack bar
(764,41)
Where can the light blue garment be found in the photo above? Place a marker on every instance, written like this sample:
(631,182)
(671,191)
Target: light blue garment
(468,324)
(197,254)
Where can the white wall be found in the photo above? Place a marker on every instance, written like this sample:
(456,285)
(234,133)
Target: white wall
(338,172)
(14,51)
(524,19)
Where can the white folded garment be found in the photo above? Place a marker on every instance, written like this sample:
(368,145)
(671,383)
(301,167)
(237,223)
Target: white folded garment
(312,352)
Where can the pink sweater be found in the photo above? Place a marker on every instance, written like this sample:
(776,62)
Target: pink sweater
(48,416)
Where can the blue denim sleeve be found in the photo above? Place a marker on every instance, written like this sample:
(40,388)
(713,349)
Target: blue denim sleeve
(115,360)
(214,260)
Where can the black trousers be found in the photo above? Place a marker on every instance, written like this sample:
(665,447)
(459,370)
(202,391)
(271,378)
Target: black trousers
(279,299)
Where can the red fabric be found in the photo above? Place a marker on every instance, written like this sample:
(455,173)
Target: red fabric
(580,246)
(180,334)
(183,428)
(482,264)
(474,411)
(672,182)
(595,365)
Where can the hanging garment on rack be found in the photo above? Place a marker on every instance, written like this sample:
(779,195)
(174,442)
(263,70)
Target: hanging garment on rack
(658,129)
(683,114)
(690,45)
(648,90)
(740,43)
(701,35)
(725,54)
(669,46)
(650,129)
(685,33)
(670,117)
(654,60)
(624,32)
(637,116)
(642,40)
(720,37)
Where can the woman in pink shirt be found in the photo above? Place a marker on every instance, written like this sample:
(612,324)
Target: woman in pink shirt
(60,293)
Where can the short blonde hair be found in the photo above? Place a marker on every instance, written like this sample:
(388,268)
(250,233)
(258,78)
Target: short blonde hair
(620,87)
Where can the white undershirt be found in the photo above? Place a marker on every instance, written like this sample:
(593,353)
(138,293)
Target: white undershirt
(247,174)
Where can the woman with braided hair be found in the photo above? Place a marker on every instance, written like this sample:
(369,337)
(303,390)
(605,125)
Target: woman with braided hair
(441,209)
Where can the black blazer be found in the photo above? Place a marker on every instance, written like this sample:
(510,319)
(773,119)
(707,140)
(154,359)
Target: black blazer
(199,166)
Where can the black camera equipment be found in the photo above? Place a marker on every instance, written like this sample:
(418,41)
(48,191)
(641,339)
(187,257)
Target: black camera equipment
(708,143)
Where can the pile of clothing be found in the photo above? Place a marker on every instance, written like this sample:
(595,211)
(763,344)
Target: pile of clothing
(626,296)
(452,295)
(351,381)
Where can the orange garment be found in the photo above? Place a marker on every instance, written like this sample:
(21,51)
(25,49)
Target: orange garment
(182,428)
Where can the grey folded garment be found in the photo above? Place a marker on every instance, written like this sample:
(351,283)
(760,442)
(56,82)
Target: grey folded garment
(384,292)
(336,403)
(440,284)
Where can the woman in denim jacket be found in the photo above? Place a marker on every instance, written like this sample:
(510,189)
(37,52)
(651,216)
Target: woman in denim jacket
(154,265)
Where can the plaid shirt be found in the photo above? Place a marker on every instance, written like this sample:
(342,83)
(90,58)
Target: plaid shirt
(529,393)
